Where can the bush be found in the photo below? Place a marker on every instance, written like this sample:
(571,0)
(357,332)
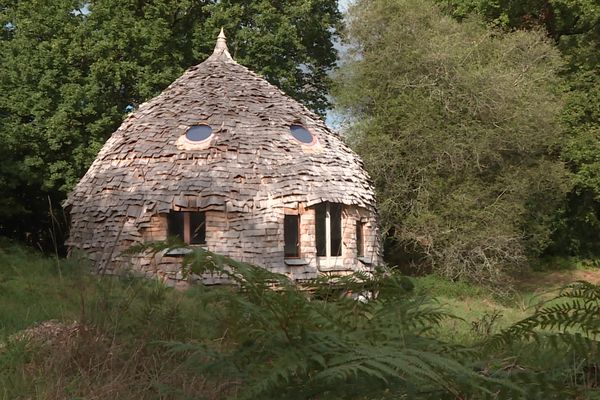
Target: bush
(458,126)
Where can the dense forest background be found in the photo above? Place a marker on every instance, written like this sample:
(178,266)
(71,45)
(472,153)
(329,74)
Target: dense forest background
(477,119)
(71,70)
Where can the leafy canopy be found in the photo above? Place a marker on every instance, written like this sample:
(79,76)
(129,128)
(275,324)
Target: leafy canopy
(574,25)
(458,126)
(71,70)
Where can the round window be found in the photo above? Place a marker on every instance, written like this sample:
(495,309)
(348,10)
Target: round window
(302,134)
(198,133)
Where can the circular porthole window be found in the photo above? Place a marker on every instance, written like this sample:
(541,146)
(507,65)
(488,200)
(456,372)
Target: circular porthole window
(302,134)
(198,133)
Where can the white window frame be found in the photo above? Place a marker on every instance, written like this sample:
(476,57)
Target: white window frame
(328,261)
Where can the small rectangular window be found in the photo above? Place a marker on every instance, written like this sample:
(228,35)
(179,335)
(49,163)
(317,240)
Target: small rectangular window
(360,244)
(291,235)
(197,228)
(175,225)
(335,215)
(189,227)
(321,229)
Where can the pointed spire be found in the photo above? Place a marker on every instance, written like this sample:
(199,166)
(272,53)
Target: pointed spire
(221,49)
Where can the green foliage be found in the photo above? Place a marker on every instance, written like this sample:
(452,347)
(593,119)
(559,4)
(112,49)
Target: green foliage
(13,358)
(558,263)
(436,286)
(574,25)
(574,310)
(458,126)
(103,333)
(564,333)
(355,337)
(32,289)
(68,78)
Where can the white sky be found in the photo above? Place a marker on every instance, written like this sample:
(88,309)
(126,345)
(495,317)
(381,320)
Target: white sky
(332,119)
(343,4)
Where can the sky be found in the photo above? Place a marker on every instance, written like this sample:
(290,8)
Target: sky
(332,119)
(343,4)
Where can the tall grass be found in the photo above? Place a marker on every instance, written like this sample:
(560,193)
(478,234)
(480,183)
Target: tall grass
(104,337)
(359,337)
(32,290)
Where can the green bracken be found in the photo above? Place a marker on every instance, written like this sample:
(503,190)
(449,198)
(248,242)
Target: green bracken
(364,336)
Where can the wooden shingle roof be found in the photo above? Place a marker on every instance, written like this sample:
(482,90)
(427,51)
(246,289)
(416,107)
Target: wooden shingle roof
(250,162)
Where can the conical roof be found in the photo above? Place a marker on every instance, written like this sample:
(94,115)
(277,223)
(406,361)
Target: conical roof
(250,162)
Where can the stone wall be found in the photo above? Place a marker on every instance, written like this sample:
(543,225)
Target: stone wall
(257,238)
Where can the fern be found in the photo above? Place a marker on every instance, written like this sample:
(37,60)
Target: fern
(362,336)
(367,336)
(566,327)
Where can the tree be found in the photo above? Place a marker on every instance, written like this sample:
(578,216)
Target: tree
(458,126)
(574,25)
(71,70)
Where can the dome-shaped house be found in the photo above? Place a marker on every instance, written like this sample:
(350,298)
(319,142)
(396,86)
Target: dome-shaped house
(225,160)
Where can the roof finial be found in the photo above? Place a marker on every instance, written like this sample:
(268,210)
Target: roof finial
(221,47)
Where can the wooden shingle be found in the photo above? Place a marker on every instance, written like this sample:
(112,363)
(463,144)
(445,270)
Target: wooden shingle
(250,168)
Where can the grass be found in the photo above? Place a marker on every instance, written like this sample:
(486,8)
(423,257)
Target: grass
(104,342)
(118,327)
(481,311)
(32,289)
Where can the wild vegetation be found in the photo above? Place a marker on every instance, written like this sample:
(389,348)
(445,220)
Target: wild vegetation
(477,119)
(71,71)
(458,125)
(574,29)
(358,337)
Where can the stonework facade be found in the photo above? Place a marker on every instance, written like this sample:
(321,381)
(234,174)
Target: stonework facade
(228,187)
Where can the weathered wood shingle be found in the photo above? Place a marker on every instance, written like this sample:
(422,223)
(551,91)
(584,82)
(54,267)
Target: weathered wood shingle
(251,165)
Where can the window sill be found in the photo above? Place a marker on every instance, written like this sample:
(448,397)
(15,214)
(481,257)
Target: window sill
(295,262)
(330,263)
(365,260)
(182,251)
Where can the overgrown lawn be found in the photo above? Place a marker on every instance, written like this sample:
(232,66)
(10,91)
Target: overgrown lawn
(65,333)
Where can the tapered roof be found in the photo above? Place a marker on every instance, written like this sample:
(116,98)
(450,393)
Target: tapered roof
(250,161)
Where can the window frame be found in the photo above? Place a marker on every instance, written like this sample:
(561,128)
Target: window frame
(298,253)
(201,141)
(187,236)
(329,260)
